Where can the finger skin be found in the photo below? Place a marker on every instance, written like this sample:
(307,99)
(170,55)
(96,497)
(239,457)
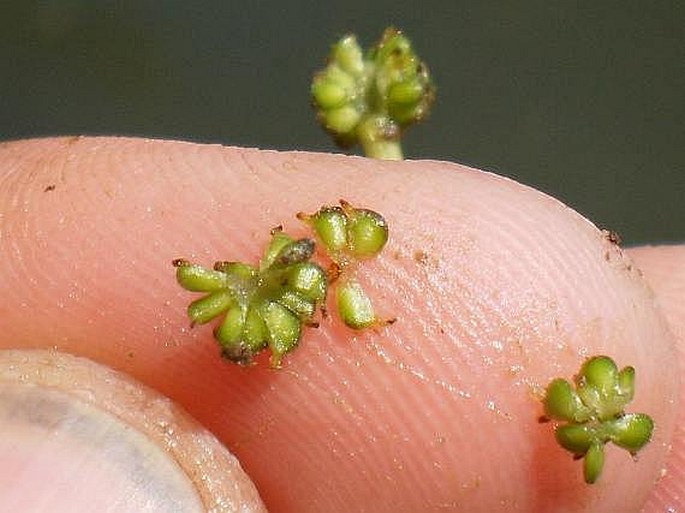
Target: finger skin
(664,269)
(74,425)
(497,289)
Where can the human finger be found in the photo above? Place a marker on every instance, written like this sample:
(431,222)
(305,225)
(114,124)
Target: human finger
(497,289)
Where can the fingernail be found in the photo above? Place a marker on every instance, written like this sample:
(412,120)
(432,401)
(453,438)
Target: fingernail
(77,436)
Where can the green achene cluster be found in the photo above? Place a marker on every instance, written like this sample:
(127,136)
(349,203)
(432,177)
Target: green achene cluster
(349,235)
(267,305)
(371,98)
(593,411)
(263,306)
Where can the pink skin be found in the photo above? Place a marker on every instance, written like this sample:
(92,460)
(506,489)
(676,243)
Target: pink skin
(497,289)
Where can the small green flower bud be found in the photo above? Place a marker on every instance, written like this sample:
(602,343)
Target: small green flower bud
(308,280)
(632,431)
(207,308)
(354,306)
(283,327)
(330,226)
(576,438)
(367,231)
(561,402)
(198,279)
(403,93)
(236,335)
(599,386)
(593,463)
(348,232)
(230,331)
(300,306)
(341,121)
(329,94)
(348,55)
(599,373)
(255,334)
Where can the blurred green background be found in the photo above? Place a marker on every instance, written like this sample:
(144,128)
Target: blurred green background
(582,99)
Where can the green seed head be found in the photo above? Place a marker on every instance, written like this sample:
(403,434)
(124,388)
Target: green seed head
(369,98)
(595,415)
(261,307)
(267,305)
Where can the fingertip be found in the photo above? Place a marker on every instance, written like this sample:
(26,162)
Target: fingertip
(497,289)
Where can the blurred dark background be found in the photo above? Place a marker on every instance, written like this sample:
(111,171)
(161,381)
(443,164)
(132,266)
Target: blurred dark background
(582,99)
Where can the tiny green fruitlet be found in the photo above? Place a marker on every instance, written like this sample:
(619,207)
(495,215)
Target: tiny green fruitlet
(593,411)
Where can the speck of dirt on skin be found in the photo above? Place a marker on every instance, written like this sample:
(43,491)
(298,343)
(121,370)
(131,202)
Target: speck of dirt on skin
(50,187)
(612,237)
(421,257)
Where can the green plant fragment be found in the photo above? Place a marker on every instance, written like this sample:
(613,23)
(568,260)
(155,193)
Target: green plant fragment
(594,413)
(263,306)
(370,98)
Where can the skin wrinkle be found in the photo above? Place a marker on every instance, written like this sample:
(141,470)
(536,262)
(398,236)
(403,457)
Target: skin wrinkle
(452,213)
